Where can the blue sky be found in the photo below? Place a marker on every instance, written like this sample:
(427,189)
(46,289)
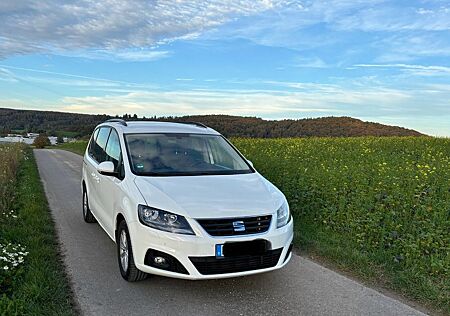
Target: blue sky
(382,61)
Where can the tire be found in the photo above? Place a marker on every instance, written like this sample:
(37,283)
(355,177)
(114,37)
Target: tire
(87,215)
(125,257)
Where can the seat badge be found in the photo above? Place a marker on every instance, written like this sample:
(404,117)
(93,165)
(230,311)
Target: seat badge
(239,226)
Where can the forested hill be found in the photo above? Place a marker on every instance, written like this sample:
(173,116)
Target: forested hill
(82,125)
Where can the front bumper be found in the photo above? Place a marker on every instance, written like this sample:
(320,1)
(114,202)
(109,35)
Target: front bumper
(182,247)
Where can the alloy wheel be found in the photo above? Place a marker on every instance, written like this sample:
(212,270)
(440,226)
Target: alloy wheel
(85,204)
(123,251)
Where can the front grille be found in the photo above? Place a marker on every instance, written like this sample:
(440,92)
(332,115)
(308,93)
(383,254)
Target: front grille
(224,226)
(213,265)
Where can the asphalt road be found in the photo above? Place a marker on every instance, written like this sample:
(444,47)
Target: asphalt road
(301,288)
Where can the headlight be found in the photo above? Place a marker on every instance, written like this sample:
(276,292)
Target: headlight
(283,215)
(164,220)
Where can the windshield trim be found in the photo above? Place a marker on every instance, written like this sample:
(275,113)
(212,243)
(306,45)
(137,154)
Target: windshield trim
(187,174)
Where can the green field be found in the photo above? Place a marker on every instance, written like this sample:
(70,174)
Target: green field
(77,147)
(376,207)
(32,276)
(379,207)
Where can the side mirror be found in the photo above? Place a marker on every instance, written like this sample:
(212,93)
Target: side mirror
(250,163)
(106,168)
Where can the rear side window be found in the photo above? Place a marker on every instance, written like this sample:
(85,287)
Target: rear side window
(99,153)
(92,143)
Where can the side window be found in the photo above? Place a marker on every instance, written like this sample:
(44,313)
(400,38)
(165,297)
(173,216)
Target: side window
(113,149)
(92,143)
(114,153)
(100,144)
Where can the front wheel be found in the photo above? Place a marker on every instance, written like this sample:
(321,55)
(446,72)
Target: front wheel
(127,267)
(87,215)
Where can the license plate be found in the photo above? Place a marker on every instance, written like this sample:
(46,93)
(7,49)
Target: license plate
(242,248)
(219,251)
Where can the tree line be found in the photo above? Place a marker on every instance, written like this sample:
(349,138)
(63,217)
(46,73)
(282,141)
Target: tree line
(81,125)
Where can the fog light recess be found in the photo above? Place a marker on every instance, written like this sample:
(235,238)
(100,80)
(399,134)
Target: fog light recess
(160,260)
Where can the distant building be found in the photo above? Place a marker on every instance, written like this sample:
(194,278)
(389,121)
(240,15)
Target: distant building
(29,139)
(17,139)
(53,140)
(69,139)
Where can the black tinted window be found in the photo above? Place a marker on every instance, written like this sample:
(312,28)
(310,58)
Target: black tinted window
(100,144)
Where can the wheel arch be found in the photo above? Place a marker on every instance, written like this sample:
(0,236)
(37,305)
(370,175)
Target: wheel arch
(119,218)
(85,186)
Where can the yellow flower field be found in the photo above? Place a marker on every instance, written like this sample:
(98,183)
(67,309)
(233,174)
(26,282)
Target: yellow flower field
(381,201)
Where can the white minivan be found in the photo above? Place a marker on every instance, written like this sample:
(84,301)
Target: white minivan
(180,201)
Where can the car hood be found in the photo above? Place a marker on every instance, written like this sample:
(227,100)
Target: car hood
(211,196)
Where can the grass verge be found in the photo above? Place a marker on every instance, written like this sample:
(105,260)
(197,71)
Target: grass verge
(42,286)
(77,147)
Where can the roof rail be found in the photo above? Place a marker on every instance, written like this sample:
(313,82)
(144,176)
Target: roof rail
(194,123)
(117,120)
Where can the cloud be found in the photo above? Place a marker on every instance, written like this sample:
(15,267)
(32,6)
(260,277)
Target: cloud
(60,78)
(197,101)
(10,46)
(136,30)
(309,62)
(112,25)
(416,105)
(306,86)
(13,103)
(391,17)
(118,55)
(308,99)
(363,96)
(7,75)
(418,70)
(142,55)
(336,30)
(404,47)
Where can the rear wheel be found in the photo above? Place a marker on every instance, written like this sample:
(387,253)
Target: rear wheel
(87,215)
(127,267)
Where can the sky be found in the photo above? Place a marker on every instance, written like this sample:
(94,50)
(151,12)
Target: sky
(381,61)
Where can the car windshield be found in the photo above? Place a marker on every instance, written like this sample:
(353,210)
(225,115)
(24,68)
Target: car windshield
(173,154)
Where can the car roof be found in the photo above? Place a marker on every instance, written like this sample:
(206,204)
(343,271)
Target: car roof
(160,127)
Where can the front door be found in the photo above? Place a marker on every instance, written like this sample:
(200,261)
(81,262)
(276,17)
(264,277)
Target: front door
(97,155)
(109,190)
